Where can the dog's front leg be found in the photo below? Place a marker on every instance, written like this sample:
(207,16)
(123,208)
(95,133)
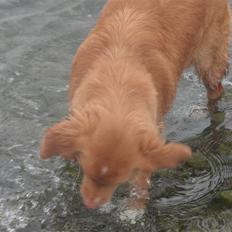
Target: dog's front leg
(139,194)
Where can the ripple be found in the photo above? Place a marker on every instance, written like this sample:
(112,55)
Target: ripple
(227,82)
(203,180)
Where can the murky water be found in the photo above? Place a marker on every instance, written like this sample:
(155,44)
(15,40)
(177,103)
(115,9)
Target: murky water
(38,39)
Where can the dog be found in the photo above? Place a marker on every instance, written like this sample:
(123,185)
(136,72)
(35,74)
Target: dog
(123,81)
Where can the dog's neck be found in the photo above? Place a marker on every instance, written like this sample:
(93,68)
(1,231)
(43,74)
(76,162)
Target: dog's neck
(119,84)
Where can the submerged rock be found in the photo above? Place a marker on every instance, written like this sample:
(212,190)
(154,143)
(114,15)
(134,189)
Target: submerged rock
(225,198)
(198,161)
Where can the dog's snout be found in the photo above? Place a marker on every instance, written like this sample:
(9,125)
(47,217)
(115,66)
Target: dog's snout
(93,203)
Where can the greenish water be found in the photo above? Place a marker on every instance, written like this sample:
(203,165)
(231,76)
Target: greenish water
(38,40)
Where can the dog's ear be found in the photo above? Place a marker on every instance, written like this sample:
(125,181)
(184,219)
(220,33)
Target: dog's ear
(67,137)
(169,156)
(158,155)
(60,139)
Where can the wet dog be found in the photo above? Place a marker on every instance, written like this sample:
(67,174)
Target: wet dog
(124,80)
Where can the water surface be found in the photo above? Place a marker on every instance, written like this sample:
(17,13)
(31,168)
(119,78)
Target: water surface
(38,40)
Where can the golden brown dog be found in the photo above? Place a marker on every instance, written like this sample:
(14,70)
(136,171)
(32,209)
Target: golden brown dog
(124,80)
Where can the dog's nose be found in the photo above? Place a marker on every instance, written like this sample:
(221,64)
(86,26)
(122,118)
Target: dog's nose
(92,203)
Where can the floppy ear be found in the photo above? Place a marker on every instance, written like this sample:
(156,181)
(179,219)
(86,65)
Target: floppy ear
(169,156)
(158,155)
(60,139)
(67,137)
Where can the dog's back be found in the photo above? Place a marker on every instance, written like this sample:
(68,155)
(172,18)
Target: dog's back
(164,35)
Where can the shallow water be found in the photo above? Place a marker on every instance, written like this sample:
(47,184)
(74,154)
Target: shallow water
(37,42)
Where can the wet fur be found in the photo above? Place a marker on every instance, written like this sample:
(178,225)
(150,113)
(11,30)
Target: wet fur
(124,80)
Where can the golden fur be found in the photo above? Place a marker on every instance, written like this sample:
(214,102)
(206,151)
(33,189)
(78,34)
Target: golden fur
(124,80)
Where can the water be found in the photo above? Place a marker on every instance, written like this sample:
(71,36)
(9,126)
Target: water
(38,40)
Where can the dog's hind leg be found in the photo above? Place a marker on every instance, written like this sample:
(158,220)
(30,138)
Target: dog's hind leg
(212,58)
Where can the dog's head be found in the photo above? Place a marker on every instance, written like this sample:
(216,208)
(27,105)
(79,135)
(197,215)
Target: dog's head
(110,151)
